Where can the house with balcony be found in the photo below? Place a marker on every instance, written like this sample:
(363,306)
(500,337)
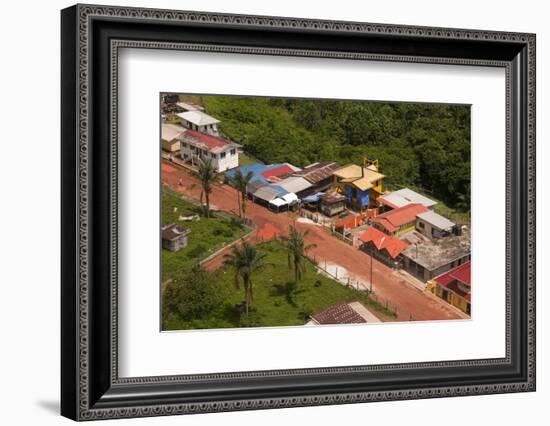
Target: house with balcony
(361,185)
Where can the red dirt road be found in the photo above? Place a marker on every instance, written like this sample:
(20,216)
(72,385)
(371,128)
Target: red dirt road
(409,301)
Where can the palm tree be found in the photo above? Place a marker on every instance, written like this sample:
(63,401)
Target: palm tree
(245,259)
(240,182)
(206,174)
(297,249)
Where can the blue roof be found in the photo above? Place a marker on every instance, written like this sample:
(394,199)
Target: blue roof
(257,169)
(313,198)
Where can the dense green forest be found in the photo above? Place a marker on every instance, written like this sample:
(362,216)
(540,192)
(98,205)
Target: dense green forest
(423,146)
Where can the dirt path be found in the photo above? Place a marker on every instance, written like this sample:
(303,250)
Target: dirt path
(386,283)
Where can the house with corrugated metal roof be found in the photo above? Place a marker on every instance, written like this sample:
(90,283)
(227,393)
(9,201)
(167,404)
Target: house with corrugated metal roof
(266,193)
(433,225)
(342,313)
(174,237)
(403,197)
(297,185)
(332,203)
(320,175)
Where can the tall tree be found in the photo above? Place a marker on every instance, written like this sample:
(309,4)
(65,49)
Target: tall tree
(194,296)
(245,260)
(297,250)
(206,174)
(240,182)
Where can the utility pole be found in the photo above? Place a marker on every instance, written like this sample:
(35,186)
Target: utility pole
(371,271)
(416,258)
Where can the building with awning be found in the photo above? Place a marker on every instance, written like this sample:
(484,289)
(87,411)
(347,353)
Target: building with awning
(267,193)
(284,202)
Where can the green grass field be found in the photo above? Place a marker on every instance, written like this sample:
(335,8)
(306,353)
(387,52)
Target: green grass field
(246,160)
(207,235)
(273,304)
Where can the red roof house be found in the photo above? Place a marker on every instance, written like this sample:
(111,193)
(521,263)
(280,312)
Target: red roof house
(274,174)
(206,141)
(458,280)
(400,219)
(341,313)
(381,241)
(461,273)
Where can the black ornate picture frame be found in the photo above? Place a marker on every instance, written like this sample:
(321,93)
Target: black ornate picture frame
(91,36)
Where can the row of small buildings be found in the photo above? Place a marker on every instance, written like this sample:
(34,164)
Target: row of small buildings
(409,234)
(327,187)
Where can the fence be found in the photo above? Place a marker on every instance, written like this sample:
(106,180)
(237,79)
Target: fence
(225,247)
(343,278)
(342,237)
(315,217)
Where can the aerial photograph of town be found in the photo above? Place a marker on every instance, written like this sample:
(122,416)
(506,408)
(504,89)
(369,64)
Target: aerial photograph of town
(310,212)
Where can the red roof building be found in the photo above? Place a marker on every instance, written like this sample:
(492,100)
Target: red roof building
(341,313)
(206,141)
(455,286)
(274,174)
(393,246)
(223,154)
(400,220)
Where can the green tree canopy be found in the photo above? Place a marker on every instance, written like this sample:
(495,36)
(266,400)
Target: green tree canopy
(419,145)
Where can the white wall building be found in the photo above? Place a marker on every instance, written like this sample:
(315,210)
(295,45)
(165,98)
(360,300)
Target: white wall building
(224,154)
(199,121)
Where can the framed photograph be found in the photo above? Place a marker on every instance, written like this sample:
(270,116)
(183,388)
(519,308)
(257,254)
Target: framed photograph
(264,212)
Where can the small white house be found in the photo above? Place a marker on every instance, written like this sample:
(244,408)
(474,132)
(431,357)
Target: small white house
(224,154)
(199,121)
